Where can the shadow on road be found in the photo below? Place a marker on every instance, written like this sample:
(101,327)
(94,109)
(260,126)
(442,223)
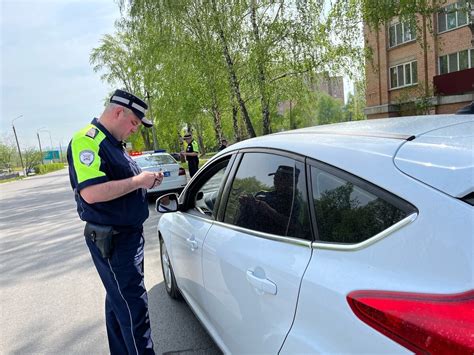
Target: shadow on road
(57,249)
(52,299)
(174,327)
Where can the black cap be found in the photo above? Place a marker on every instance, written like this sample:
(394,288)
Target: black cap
(138,106)
(287,170)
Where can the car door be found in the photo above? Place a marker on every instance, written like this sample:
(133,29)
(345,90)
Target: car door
(190,229)
(252,261)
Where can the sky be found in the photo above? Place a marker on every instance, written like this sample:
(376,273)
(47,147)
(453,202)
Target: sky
(45,72)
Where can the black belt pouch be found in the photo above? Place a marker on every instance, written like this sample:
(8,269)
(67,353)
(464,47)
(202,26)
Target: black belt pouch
(102,236)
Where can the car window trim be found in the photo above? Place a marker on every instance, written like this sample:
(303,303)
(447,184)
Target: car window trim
(276,151)
(372,240)
(193,213)
(274,237)
(197,183)
(227,174)
(224,197)
(312,209)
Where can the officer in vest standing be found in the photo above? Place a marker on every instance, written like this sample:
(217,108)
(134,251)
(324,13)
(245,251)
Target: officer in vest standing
(191,154)
(110,191)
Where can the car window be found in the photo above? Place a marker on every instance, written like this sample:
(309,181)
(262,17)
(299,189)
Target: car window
(154,160)
(205,198)
(347,213)
(268,195)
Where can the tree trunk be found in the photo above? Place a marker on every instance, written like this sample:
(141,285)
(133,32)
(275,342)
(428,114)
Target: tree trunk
(232,75)
(198,136)
(217,122)
(146,138)
(235,121)
(425,56)
(261,72)
(216,115)
(235,86)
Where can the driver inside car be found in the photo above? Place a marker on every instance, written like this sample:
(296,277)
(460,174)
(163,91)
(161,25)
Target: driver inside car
(270,211)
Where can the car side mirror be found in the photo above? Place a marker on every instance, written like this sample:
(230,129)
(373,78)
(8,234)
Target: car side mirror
(199,196)
(167,203)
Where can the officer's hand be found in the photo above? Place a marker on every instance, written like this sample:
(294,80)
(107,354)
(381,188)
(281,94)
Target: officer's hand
(158,178)
(147,179)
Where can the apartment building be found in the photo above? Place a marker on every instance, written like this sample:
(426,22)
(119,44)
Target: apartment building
(331,85)
(428,68)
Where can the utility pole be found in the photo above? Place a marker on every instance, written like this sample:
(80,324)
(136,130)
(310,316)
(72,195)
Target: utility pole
(18,145)
(39,143)
(153,128)
(43,129)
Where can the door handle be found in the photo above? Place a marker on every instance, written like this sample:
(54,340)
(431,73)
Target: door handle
(192,242)
(261,285)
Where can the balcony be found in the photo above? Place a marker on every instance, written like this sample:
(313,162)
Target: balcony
(455,83)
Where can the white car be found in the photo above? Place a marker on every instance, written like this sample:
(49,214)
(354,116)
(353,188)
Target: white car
(347,238)
(174,176)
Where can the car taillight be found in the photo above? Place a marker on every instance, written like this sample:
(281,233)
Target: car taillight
(423,323)
(182,171)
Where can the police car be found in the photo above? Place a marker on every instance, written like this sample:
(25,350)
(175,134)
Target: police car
(174,175)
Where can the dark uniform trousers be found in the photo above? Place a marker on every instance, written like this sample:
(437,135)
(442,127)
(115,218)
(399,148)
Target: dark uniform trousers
(193,165)
(126,302)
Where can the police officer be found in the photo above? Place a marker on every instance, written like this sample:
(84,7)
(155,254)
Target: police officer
(223,145)
(110,191)
(191,154)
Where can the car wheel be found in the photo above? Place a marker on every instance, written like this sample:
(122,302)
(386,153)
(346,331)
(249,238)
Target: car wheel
(168,274)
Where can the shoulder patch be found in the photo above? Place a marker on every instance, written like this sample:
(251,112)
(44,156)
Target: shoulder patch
(86,157)
(92,132)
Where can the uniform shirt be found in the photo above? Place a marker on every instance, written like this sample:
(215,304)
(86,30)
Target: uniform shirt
(95,157)
(192,148)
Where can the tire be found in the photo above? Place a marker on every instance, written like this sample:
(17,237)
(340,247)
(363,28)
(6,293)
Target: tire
(168,273)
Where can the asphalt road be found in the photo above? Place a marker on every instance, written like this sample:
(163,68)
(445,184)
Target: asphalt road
(51,298)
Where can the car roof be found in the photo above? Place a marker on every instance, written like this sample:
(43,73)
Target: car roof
(442,158)
(408,127)
(348,146)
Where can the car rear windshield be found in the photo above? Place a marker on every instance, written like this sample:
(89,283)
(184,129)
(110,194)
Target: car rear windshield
(154,160)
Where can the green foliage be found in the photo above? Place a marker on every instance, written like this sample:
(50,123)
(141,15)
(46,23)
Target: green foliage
(47,168)
(378,12)
(249,185)
(344,219)
(221,68)
(328,110)
(31,158)
(7,155)
(416,101)
(354,109)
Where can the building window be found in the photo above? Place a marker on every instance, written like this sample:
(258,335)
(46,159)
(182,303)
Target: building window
(400,33)
(456,61)
(453,16)
(402,75)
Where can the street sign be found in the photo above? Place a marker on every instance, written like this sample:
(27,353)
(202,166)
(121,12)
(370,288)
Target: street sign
(51,155)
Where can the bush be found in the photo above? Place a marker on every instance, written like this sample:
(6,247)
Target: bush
(47,168)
